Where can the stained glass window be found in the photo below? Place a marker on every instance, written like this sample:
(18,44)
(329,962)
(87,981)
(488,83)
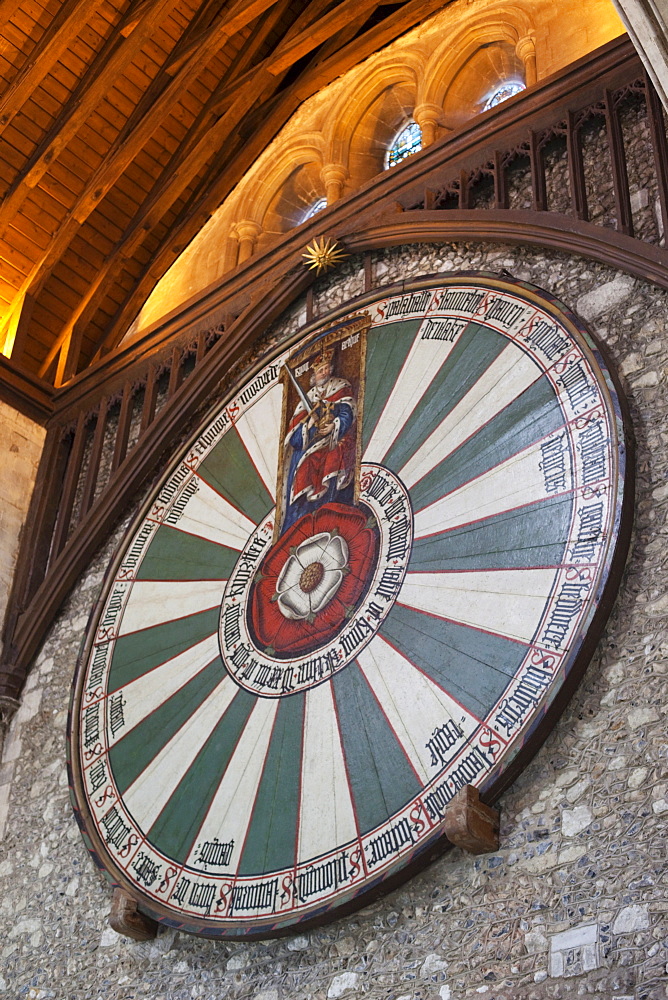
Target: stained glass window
(405,143)
(316,207)
(502,93)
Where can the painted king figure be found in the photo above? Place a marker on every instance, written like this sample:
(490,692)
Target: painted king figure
(320,443)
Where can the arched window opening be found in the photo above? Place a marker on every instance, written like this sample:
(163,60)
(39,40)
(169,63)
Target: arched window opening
(502,93)
(406,142)
(316,207)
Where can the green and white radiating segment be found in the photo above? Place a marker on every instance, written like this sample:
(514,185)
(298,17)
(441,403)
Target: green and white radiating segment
(466,423)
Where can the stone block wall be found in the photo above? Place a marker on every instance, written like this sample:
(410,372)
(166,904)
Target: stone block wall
(575,901)
(21,442)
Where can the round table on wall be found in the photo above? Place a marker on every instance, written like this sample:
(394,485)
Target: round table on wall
(366,584)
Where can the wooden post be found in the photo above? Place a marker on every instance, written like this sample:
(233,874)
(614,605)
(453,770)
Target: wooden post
(123,429)
(464,189)
(36,538)
(126,917)
(576,169)
(470,824)
(88,494)
(174,372)
(150,395)
(500,188)
(201,347)
(620,179)
(659,148)
(368,272)
(538,186)
(69,487)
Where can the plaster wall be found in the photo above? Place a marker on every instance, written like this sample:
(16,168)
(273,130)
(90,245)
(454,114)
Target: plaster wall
(574,903)
(21,443)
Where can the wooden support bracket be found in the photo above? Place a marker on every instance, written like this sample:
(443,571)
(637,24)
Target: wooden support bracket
(470,824)
(126,918)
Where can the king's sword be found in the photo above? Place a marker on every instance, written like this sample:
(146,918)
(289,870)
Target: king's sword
(302,395)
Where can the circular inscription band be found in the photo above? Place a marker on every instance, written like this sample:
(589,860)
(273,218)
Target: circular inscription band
(360,588)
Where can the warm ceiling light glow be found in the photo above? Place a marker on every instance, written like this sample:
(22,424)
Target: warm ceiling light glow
(9,322)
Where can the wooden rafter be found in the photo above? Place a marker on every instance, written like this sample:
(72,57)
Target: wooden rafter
(115,56)
(403,19)
(7,9)
(229,22)
(184,99)
(231,169)
(155,106)
(61,32)
(312,36)
(203,142)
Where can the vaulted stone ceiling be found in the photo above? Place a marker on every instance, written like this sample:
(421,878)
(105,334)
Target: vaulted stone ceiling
(124,124)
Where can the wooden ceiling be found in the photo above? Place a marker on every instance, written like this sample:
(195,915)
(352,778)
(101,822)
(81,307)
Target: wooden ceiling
(124,124)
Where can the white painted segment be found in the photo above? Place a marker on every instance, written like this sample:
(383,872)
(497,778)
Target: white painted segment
(326,818)
(514,483)
(149,793)
(508,602)
(153,602)
(210,516)
(148,692)
(232,806)
(259,429)
(509,375)
(414,705)
(423,363)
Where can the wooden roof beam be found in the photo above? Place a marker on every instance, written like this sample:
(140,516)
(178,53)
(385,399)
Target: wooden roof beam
(61,32)
(154,107)
(228,24)
(407,16)
(116,55)
(315,34)
(218,185)
(7,9)
(395,24)
(190,159)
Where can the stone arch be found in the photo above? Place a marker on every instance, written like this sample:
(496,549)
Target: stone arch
(468,63)
(271,196)
(361,122)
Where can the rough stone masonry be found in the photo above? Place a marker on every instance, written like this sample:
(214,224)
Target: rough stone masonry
(575,901)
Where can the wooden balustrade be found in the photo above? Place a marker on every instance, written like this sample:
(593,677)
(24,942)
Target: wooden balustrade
(108,428)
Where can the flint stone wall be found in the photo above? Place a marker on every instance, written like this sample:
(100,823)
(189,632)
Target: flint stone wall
(575,901)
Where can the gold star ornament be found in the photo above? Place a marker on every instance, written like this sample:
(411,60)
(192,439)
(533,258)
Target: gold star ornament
(322,254)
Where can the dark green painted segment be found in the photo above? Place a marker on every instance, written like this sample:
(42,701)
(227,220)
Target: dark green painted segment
(381,779)
(139,652)
(387,349)
(534,535)
(473,666)
(229,469)
(532,416)
(177,555)
(473,353)
(272,835)
(135,751)
(176,828)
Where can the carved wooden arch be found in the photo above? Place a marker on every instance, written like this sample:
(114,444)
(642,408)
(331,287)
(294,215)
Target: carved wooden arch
(273,293)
